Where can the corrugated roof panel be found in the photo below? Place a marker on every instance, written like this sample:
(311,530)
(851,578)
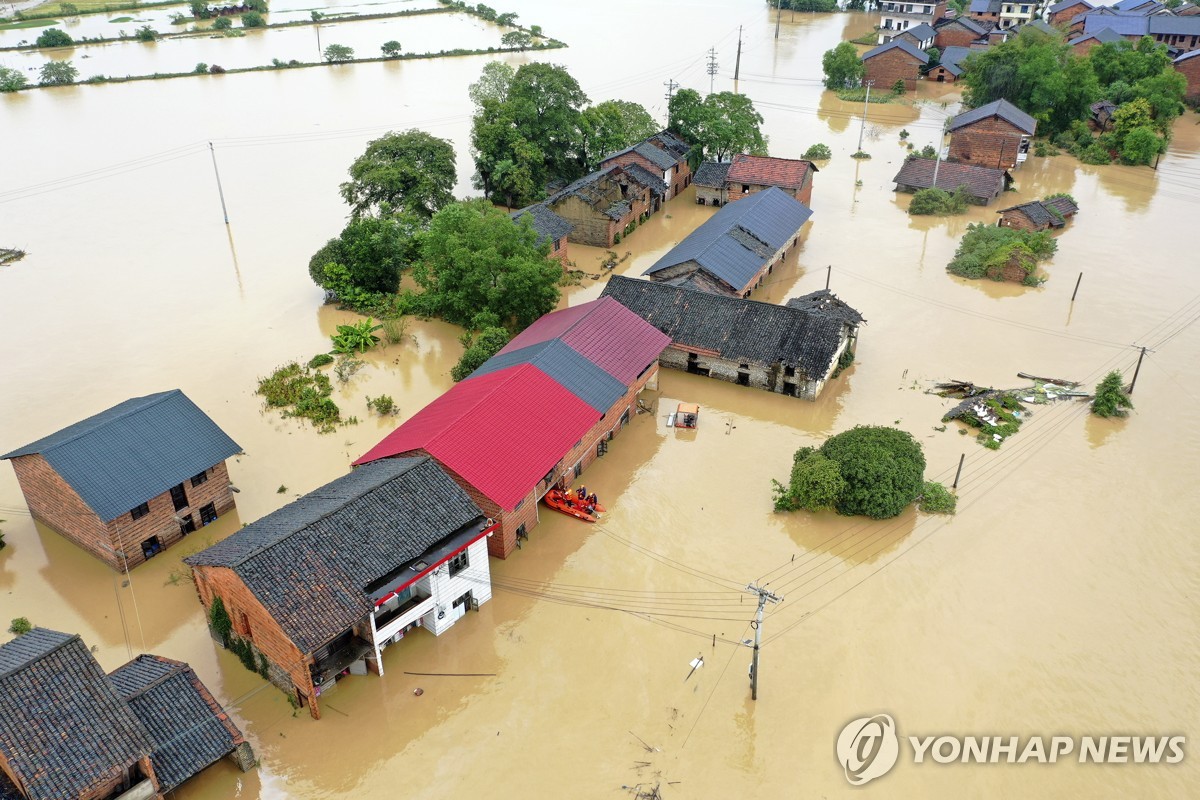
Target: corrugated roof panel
(581,377)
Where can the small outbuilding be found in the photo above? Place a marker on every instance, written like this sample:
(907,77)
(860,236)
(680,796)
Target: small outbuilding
(950,67)
(663,155)
(981,184)
(960,32)
(131,481)
(919,36)
(709,181)
(1039,215)
(995,135)
(896,61)
(550,228)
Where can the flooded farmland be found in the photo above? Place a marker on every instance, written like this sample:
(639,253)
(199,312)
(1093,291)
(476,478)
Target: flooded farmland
(1059,601)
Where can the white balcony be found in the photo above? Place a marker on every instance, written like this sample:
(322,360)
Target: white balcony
(389,624)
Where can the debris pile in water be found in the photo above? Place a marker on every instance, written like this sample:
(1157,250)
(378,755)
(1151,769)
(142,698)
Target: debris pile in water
(998,413)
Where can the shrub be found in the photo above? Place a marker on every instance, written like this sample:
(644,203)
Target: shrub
(383,405)
(346,368)
(253,19)
(937,499)
(391,49)
(986,251)
(216,69)
(53,37)
(359,337)
(938,202)
(904,134)
(145,34)
(818,152)
(256,5)
(20,626)
(816,482)
(861,155)
(222,24)
(219,621)
(58,73)
(1111,399)
(336,53)
(301,392)
(11,80)
(882,468)
(1094,153)
(899,86)
(480,347)
(201,68)
(320,360)
(395,330)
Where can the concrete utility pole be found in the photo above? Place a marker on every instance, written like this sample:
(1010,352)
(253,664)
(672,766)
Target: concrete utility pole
(1078,281)
(737,64)
(671,87)
(712,68)
(220,191)
(764,597)
(778,16)
(938,156)
(1136,370)
(866,102)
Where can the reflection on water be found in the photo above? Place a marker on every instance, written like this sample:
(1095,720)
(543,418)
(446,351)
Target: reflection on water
(1037,610)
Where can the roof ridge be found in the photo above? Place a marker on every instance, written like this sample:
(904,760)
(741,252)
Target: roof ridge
(159,397)
(70,638)
(177,668)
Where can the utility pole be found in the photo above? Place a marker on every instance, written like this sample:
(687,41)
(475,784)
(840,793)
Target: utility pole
(671,87)
(737,65)
(1077,282)
(712,68)
(220,191)
(828,275)
(317,28)
(764,597)
(958,474)
(938,156)
(778,16)
(866,102)
(1137,369)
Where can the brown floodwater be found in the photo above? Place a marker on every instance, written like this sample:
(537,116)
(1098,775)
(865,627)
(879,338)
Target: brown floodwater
(1060,600)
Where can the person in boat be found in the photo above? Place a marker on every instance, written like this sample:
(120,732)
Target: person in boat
(593,500)
(582,492)
(589,509)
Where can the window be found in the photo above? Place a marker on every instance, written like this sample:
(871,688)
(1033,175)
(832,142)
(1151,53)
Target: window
(789,372)
(557,242)
(789,389)
(137,512)
(151,547)
(179,497)
(188,525)
(208,513)
(1024,9)
(521,532)
(517,507)
(199,479)
(459,563)
(745,188)
(578,468)
(463,600)
(743,378)
(625,417)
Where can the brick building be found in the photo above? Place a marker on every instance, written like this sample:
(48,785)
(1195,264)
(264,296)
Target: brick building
(982,185)
(950,67)
(995,135)
(736,248)
(1181,33)
(960,32)
(919,36)
(131,481)
(1064,13)
(551,229)
(896,16)
(1083,43)
(709,181)
(321,587)
(663,155)
(536,414)
(1038,215)
(791,349)
(607,204)
(895,61)
(70,732)
(1188,65)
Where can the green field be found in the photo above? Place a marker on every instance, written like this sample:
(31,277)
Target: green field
(28,23)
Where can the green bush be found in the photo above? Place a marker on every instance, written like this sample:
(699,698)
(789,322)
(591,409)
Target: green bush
(11,80)
(882,468)
(816,482)
(20,626)
(320,360)
(391,49)
(253,19)
(219,621)
(480,347)
(53,37)
(222,24)
(937,499)
(1111,399)
(383,405)
(357,338)
(301,392)
(201,68)
(938,202)
(818,152)
(57,73)
(1095,153)
(986,250)
(145,34)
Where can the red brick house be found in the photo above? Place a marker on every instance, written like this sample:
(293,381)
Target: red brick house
(607,204)
(995,135)
(1082,44)
(131,481)
(551,229)
(70,732)
(750,174)
(536,414)
(663,155)
(895,61)
(1188,65)
(1038,215)
(959,32)
(318,589)
(1064,13)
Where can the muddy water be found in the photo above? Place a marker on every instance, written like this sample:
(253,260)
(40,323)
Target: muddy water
(1057,601)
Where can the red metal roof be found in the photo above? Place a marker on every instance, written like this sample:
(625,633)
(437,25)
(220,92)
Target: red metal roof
(603,331)
(786,173)
(501,432)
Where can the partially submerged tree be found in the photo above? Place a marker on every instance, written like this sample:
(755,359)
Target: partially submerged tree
(53,37)
(843,68)
(368,255)
(410,171)
(334,53)
(481,346)
(1111,399)
(721,125)
(57,73)
(611,126)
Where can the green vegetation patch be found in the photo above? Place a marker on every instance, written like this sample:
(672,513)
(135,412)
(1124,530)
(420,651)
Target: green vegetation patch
(28,23)
(989,251)
(303,393)
(938,202)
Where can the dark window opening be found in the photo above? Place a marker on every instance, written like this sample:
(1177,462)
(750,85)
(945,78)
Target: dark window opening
(179,497)
(521,502)
(578,469)
(625,417)
(208,513)
(557,243)
(743,379)
(789,389)
(463,600)
(745,188)
(151,547)
(521,532)
(199,479)
(188,525)
(137,512)
(789,372)
(459,563)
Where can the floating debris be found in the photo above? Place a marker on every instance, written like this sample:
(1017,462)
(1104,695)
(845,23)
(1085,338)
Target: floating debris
(10,255)
(998,413)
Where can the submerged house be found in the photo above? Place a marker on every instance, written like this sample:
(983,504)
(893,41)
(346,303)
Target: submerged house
(791,349)
(896,16)
(1038,215)
(70,732)
(892,63)
(736,248)
(950,68)
(131,481)
(995,135)
(607,204)
(981,184)
(960,32)
(321,587)
(550,229)
(663,155)
(536,414)
(718,183)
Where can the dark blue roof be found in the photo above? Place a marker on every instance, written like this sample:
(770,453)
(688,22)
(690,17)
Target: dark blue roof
(1103,36)
(136,450)
(912,50)
(735,242)
(1126,26)
(921,33)
(997,108)
(564,364)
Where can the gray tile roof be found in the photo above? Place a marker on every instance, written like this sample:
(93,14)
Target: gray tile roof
(63,727)
(580,376)
(672,143)
(1065,4)
(954,55)
(712,174)
(911,49)
(1043,26)
(1171,25)
(647,178)
(828,304)
(136,450)
(1134,5)
(970,24)
(189,728)
(663,156)
(984,7)
(1103,36)
(744,331)
(1124,25)
(997,108)
(1036,212)
(922,33)
(309,562)
(983,183)
(734,243)
(549,226)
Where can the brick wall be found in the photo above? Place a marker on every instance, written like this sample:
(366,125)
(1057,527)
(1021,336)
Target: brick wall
(940,74)
(887,68)
(708,196)
(1067,14)
(53,502)
(1019,221)
(803,194)
(560,255)
(288,666)
(990,143)
(953,36)
(1190,69)
(1083,48)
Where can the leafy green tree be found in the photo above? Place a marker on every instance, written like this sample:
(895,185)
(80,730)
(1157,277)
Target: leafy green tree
(1038,74)
(518,39)
(507,165)
(69,9)
(1111,399)
(610,126)
(1128,62)
(20,626)
(222,24)
(1140,146)
(474,259)
(843,68)
(145,34)
(480,347)
(370,253)
(986,250)
(546,105)
(391,48)
(201,68)
(11,80)
(883,469)
(199,9)
(410,171)
(507,18)
(492,85)
(253,19)
(336,53)
(937,202)
(685,114)
(816,482)
(256,5)
(55,73)
(53,37)
(937,499)
(721,125)
(818,152)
